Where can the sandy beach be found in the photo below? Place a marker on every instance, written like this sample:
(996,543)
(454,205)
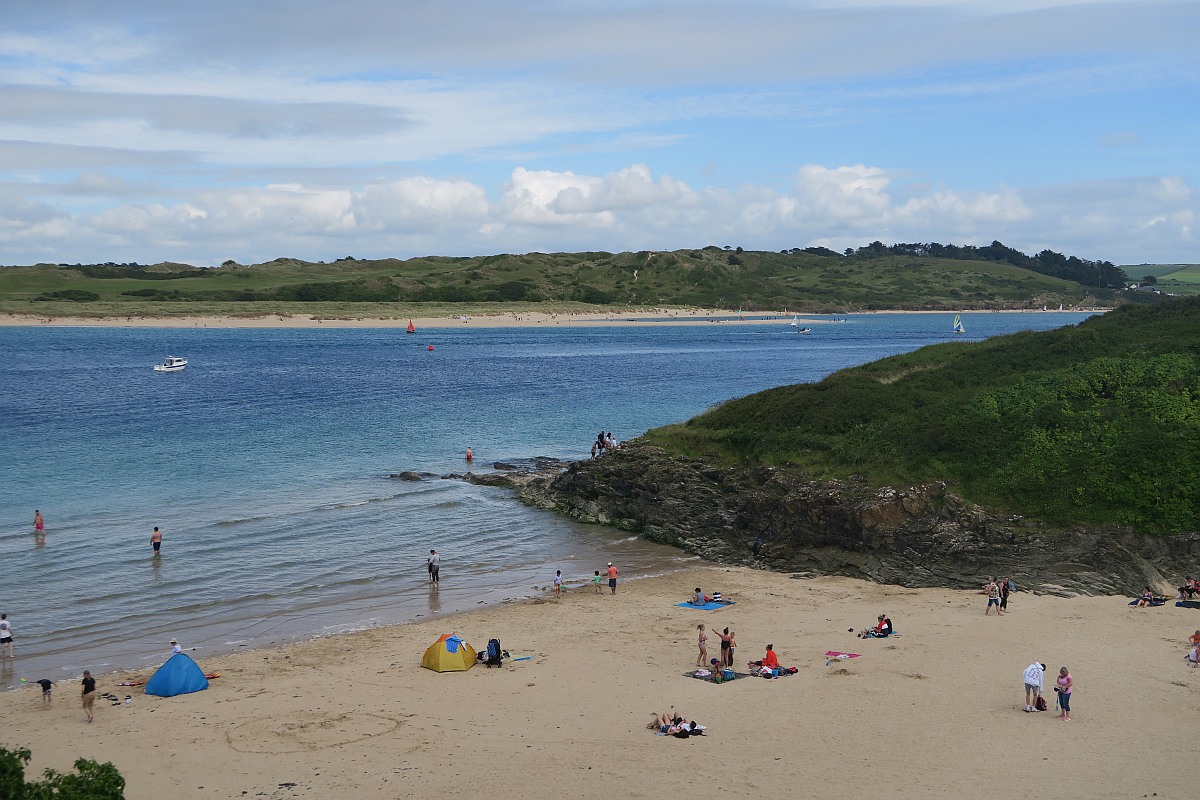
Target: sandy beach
(535,319)
(524,319)
(934,712)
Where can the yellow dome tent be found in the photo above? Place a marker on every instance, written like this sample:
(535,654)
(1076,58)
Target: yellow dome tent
(449,654)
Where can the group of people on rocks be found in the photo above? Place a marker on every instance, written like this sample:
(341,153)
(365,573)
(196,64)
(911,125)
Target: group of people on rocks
(604,442)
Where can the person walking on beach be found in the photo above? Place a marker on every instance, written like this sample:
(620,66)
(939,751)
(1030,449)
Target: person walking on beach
(1066,685)
(156,540)
(596,581)
(702,642)
(558,583)
(88,694)
(433,564)
(1034,684)
(993,595)
(47,685)
(1003,595)
(612,578)
(6,637)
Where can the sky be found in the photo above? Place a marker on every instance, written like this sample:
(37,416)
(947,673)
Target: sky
(146,131)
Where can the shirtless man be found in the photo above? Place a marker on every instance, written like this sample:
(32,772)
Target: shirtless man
(156,540)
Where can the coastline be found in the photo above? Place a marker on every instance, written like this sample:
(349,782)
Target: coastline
(356,716)
(534,319)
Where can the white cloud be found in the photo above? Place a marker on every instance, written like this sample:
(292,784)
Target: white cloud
(419,205)
(138,131)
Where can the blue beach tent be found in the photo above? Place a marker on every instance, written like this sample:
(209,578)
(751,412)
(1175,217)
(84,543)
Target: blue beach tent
(180,675)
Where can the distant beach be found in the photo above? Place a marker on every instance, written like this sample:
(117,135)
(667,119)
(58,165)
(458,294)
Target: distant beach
(535,319)
(934,712)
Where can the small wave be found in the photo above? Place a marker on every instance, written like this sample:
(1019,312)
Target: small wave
(228,523)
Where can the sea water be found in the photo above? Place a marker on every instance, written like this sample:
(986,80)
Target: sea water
(267,464)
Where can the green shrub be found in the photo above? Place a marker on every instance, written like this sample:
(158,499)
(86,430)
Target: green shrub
(90,781)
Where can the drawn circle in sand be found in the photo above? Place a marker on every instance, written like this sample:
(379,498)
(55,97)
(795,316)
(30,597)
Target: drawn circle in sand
(305,732)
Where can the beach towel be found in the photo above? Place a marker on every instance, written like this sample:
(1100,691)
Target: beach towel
(709,677)
(1188,604)
(833,656)
(1158,601)
(712,605)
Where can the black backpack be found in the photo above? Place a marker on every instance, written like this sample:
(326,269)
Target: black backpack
(495,656)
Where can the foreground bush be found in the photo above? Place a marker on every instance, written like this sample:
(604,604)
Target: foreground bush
(90,781)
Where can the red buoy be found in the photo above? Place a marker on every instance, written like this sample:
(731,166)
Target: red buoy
(430,347)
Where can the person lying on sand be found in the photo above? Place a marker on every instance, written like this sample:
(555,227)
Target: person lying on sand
(672,722)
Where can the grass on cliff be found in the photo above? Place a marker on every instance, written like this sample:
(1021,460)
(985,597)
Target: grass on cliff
(1095,423)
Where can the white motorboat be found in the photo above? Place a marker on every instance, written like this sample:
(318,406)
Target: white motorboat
(171,364)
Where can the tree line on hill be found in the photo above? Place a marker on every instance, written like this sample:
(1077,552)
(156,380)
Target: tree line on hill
(1047,262)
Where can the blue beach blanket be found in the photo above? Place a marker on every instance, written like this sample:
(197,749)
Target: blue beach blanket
(709,606)
(1158,601)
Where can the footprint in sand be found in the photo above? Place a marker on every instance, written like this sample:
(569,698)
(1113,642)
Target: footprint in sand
(305,732)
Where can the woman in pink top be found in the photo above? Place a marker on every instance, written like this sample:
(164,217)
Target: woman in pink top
(1065,684)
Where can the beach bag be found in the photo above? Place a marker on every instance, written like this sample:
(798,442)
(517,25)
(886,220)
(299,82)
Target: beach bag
(495,656)
(1040,703)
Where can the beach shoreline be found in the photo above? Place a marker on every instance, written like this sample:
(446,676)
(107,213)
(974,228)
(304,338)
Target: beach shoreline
(525,319)
(935,712)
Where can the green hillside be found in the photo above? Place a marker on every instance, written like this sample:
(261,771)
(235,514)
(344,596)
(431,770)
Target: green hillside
(1096,423)
(873,278)
(1176,279)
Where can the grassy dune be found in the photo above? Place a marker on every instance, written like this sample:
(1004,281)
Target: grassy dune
(709,277)
(1095,423)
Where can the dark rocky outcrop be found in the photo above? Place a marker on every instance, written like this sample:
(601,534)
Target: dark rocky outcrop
(912,536)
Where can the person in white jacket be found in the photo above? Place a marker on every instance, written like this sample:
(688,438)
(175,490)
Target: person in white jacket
(1034,676)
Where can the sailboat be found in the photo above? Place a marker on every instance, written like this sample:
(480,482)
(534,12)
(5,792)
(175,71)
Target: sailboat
(411,328)
(958,326)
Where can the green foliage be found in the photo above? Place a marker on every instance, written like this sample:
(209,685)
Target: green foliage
(1097,423)
(878,276)
(74,295)
(89,781)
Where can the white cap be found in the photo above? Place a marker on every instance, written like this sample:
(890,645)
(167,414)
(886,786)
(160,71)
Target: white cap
(610,563)
(174,642)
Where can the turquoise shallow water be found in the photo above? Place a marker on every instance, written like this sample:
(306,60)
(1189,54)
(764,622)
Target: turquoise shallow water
(266,464)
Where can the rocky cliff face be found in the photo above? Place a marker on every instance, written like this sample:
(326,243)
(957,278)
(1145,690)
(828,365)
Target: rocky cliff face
(912,536)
